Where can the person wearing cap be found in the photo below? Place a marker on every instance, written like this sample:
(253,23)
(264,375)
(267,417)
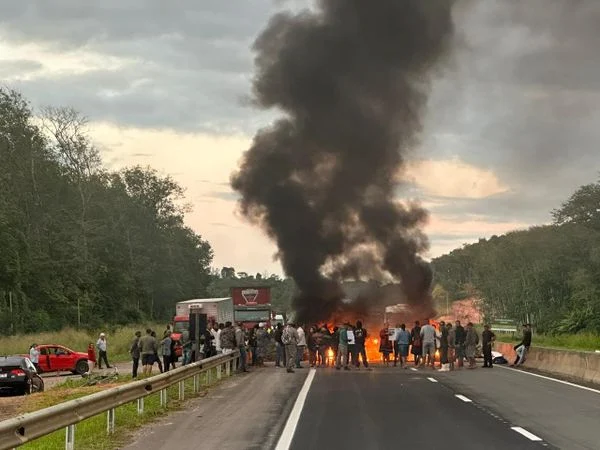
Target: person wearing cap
(101,345)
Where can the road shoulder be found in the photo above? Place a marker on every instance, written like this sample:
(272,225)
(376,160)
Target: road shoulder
(247,411)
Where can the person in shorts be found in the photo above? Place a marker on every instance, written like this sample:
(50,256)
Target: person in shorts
(428,335)
(148,348)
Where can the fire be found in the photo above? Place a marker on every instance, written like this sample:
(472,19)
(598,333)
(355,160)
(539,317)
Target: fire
(372,349)
(330,357)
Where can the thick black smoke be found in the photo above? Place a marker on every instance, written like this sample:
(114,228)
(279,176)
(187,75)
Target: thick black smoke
(352,80)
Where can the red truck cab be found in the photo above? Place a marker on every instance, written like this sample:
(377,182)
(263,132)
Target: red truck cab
(252,305)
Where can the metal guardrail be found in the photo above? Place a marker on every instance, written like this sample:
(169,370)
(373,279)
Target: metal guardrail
(28,427)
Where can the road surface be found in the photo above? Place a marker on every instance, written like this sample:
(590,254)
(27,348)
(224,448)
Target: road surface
(384,408)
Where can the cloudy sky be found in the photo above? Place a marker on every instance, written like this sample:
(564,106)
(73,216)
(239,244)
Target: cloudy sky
(512,128)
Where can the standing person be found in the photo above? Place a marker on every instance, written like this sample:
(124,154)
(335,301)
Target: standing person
(289,337)
(471,341)
(279,347)
(342,350)
(156,358)
(460,343)
(216,332)
(301,346)
(403,340)
(311,344)
(415,340)
(165,349)
(34,357)
(240,343)
(134,351)
(444,347)
(487,339)
(428,339)
(227,338)
(262,342)
(148,348)
(174,357)
(351,345)
(102,346)
(252,344)
(327,341)
(91,357)
(451,345)
(385,345)
(522,348)
(360,337)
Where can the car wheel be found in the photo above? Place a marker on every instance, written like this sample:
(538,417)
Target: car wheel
(81,367)
(27,389)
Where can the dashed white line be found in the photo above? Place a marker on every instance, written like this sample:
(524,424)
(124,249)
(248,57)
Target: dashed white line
(527,434)
(413,369)
(551,379)
(290,426)
(463,398)
(433,380)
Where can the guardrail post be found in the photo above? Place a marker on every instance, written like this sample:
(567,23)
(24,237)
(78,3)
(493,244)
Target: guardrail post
(235,364)
(70,437)
(140,405)
(181,390)
(219,369)
(209,377)
(110,421)
(163,397)
(195,388)
(228,368)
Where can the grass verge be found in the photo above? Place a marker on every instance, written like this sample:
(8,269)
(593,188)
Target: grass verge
(579,341)
(118,337)
(90,434)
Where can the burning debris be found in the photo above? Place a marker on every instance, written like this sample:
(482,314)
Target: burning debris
(351,79)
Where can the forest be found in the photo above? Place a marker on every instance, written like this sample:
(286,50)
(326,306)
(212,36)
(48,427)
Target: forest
(83,246)
(547,275)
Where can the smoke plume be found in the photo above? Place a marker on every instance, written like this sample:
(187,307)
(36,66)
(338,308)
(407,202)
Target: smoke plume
(351,79)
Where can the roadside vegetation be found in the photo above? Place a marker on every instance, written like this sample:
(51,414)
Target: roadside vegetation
(579,341)
(546,275)
(90,434)
(118,337)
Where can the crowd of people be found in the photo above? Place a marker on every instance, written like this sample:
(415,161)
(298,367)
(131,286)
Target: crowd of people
(452,346)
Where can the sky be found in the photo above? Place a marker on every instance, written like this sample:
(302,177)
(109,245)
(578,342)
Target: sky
(511,128)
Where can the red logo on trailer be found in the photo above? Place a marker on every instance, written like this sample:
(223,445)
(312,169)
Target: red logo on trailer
(250,296)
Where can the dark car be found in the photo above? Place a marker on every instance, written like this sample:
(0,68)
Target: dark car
(18,374)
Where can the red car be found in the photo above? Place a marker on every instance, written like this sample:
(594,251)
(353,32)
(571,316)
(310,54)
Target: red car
(57,358)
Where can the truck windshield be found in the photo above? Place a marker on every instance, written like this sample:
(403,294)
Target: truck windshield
(252,316)
(180,327)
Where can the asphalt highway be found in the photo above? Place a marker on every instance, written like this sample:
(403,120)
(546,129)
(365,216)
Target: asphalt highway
(384,408)
(391,408)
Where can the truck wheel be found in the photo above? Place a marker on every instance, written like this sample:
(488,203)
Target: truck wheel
(81,367)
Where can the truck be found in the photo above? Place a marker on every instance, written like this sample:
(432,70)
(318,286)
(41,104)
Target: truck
(252,305)
(218,310)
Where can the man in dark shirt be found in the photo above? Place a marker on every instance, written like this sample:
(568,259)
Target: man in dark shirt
(487,338)
(459,343)
(523,347)
(360,336)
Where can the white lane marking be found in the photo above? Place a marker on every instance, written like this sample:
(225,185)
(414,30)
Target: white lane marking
(433,380)
(527,434)
(285,440)
(550,378)
(463,398)
(413,369)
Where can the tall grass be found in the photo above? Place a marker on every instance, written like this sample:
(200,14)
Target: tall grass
(118,337)
(90,434)
(579,341)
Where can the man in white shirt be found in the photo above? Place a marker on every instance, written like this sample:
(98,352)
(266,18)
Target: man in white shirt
(428,336)
(300,346)
(216,332)
(102,347)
